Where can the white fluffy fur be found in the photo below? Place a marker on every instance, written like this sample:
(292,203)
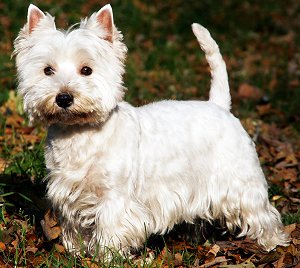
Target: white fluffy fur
(119,173)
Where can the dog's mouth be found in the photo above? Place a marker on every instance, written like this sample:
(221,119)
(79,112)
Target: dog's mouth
(66,110)
(69,117)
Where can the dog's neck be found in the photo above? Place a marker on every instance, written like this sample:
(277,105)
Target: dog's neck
(82,127)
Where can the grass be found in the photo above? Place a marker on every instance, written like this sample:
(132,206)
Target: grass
(164,62)
(28,162)
(25,252)
(291,218)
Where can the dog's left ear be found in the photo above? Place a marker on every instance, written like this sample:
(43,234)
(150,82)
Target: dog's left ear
(105,18)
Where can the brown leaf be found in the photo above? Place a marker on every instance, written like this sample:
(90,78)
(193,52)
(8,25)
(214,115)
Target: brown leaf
(296,231)
(32,139)
(280,262)
(227,245)
(31,238)
(50,232)
(290,228)
(2,246)
(3,164)
(50,218)
(178,259)
(296,242)
(246,264)
(288,259)
(270,257)
(15,243)
(248,245)
(217,260)
(26,130)
(60,248)
(7,235)
(89,263)
(214,250)
(264,109)
(14,121)
(248,91)
(289,174)
(49,225)
(38,260)
(31,249)
(23,223)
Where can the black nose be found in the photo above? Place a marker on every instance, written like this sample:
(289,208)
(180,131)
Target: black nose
(64,100)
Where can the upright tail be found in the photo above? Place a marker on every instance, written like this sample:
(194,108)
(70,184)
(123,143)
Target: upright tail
(219,89)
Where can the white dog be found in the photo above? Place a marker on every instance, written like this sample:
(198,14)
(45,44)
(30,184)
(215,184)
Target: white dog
(117,173)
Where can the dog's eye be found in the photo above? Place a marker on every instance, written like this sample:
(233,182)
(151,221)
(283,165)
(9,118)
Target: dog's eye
(49,70)
(86,71)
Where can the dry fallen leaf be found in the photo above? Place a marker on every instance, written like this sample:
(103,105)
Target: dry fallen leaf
(248,91)
(14,121)
(246,264)
(89,263)
(2,246)
(178,259)
(15,243)
(3,164)
(214,250)
(60,248)
(50,225)
(290,228)
(215,261)
(31,249)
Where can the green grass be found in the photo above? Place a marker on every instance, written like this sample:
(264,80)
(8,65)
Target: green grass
(24,253)
(28,162)
(291,218)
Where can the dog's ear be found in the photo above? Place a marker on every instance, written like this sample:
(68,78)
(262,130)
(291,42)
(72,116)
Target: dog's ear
(33,17)
(105,18)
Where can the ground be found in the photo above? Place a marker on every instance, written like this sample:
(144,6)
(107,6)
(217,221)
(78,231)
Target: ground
(260,44)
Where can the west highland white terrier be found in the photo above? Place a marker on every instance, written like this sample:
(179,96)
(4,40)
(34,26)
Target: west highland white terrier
(117,173)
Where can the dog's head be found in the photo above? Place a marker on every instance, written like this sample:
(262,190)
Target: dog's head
(70,77)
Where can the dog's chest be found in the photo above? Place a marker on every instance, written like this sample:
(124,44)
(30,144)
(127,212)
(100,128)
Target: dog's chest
(87,163)
(69,151)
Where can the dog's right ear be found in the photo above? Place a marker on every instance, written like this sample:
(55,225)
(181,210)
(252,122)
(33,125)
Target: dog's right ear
(33,17)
